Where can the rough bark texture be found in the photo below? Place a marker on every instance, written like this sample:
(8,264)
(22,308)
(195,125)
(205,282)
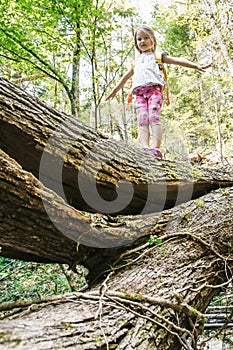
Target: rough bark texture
(27,232)
(54,146)
(153,295)
(39,222)
(151,276)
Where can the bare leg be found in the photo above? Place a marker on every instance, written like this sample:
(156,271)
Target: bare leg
(144,136)
(156,135)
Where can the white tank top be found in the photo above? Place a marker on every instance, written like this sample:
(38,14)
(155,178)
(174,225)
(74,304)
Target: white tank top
(146,72)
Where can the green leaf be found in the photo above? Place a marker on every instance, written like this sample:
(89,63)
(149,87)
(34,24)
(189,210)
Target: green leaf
(159,240)
(155,240)
(151,240)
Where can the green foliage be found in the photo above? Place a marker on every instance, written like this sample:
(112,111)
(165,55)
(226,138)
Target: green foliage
(153,239)
(71,52)
(50,38)
(223,298)
(27,280)
(201,106)
(177,38)
(224,191)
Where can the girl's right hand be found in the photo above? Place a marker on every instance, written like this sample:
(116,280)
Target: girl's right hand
(110,96)
(120,85)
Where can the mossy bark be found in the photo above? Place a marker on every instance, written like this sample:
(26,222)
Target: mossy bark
(142,295)
(54,147)
(153,296)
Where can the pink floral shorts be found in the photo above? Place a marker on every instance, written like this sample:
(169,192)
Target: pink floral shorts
(149,100)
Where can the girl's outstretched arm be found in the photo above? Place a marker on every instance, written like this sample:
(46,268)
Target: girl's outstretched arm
(121,83)
(180,61)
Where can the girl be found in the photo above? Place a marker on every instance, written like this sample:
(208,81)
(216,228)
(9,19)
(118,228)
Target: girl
(147,85)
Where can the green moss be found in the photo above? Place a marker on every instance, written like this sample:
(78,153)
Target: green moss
(138,297)
(186,216)
(224,191)
(194,313)
(98,340)
(2,334)
(200,203)
(174,176)
(167,249)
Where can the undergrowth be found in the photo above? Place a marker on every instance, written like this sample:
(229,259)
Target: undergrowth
(27,280)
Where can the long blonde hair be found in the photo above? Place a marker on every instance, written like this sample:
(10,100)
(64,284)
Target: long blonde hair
(148,31)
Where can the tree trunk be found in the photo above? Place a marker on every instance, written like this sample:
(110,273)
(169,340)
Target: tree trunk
(58,161)
(152,275)
(152,298)
(37,224)
(75,87)
(73,160)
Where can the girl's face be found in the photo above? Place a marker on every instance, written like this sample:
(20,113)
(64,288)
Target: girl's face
(144,42)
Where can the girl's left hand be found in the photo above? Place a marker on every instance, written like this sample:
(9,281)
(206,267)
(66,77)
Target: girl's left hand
(203,68)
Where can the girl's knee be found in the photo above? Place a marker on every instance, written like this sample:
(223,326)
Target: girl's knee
(143,115)
(155,120)
(143,120)
(154,115)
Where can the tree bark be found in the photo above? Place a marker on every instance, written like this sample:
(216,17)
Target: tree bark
(42,223)
(151,276)
(153,297)
(72,160)
(49,230)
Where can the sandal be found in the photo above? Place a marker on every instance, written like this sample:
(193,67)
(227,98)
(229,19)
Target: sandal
(155,151)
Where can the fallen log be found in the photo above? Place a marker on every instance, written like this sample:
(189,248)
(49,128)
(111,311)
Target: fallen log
(152,296)
(152,277)
(89,171)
